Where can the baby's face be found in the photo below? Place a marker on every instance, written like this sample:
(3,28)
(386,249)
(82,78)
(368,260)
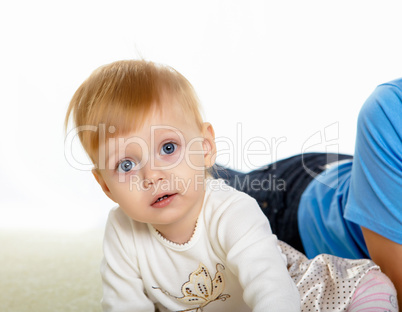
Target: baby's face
(156,174)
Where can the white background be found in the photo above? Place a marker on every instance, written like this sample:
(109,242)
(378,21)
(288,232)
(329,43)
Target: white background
(280,70)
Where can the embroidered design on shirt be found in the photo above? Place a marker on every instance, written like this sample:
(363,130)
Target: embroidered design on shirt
(200,289)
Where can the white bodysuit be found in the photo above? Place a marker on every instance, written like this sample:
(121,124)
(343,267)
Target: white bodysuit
(231,263)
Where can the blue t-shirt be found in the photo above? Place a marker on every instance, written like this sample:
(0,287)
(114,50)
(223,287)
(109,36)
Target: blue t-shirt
(366,192)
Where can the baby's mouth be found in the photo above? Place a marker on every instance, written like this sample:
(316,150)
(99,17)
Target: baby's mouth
(162,198)
(162,201)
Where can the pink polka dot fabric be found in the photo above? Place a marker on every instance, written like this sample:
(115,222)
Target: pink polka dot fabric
(329,283)
(375,292)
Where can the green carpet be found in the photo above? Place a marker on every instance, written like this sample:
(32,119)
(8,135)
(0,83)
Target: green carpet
(50,271)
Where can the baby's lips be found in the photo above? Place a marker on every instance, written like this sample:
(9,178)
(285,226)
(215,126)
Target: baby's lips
(164,200)
(161,195)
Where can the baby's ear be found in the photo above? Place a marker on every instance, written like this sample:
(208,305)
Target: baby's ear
(98,177)
(209,144)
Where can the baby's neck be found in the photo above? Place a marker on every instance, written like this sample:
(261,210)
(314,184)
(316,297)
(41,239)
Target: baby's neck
(177,235)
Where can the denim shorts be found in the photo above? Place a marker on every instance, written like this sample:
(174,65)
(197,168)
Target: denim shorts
(278,188)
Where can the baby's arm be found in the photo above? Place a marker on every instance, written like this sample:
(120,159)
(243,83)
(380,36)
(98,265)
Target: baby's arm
(123,289)
(252,254)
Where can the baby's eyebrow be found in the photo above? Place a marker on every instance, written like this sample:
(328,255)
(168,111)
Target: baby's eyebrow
(116,151)
(166,132)
(169,129)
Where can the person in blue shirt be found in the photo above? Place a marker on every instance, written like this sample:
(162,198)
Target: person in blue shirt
(346,206)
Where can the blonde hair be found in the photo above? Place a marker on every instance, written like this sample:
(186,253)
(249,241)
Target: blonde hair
(122,94)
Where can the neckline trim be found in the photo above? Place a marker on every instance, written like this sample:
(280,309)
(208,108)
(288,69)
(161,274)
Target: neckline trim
(175,246)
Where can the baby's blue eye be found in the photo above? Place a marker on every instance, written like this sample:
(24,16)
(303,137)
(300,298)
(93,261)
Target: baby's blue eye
(126,166)
(168,148)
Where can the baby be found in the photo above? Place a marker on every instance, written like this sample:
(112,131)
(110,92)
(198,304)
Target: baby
(178,240)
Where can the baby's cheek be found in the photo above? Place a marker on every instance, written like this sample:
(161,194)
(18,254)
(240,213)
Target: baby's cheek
(176,159)
(195,160)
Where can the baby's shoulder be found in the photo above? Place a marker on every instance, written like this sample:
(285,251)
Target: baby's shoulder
(218,191)
(120,222)
(223,200)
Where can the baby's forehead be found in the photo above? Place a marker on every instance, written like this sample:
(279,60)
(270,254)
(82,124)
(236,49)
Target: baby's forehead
(160,124)
(149,138)
(163,118)
(170,116)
